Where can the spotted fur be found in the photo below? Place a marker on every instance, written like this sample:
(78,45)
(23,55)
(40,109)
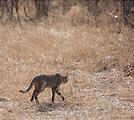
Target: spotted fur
(46,81)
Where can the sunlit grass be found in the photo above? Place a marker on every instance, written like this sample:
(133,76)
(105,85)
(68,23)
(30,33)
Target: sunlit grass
(80,51)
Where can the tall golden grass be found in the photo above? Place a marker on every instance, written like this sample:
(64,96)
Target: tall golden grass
(47,49)
(58,46)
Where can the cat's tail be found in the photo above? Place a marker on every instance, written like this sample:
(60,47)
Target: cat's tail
(30,87)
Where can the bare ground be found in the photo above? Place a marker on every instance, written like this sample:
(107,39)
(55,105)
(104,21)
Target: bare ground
(101,97)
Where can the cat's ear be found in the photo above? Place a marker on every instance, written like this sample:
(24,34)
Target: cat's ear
(58,75)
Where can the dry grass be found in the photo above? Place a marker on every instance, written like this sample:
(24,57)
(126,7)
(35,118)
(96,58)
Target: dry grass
(80,51)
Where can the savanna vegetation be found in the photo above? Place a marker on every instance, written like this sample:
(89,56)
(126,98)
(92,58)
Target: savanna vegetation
(91,40)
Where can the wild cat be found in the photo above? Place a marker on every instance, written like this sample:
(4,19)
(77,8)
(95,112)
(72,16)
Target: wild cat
(47,81)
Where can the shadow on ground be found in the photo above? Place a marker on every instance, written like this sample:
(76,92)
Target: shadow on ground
(49,107)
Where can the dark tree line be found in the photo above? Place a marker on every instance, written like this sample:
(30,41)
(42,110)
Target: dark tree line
(8,6)
(11,7)
(128,11)
(42,7)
